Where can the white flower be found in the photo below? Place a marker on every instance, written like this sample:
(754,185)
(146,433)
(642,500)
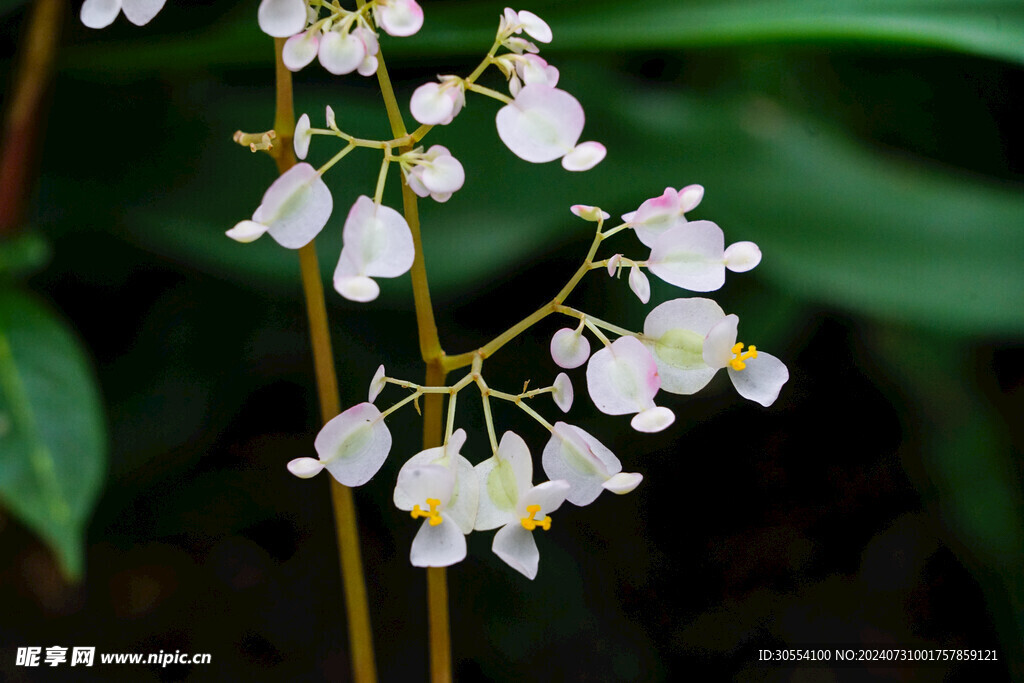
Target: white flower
(693,256)
(517,22)
(302,137)
(435,173)
(508,499)
(434,104)
(589,213)
(352,447)
(585,464)
(282,18)
(543,124)
(622,379)
(441,486)
(398,17)
(377,243)
(562,392)
(569,348)
(294,210)
(659,214)
(101,13)
(300,50)
(692,339)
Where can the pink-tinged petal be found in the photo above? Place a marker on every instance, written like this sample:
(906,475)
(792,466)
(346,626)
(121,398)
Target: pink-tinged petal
(762,379)
(377,383)
(246,231)
(296,206)
(623,378)
(689,197)
(300,50)
(535,69)
(541,124)
(623,482)
(369,40)
(563,393)
(675,332)
(302,137)
(640,285)
(515,545)
(521,45)
(341,54)
(656,216)
(580,460)
(742,256)
(432,105)
(414,179)
(417,482)
(354,445)
(99,13)
(282,18)
(549,496)
(438,546)
(613,264)
(584,156)
(627,217)
(589,213)
(141,12)
(534,26)
(652,420)
(305,468)
(367,67)
(719,342)
(691,256)
(377,240)
(399,18)
(444,174)
(569,349)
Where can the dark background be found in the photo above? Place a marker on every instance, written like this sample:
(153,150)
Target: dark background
(876,503)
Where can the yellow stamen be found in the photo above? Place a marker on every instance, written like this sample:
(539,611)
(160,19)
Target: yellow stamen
(433,513)
(529,523)
(737,362)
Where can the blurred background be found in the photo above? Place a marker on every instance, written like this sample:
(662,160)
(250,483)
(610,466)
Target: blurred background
(155,377)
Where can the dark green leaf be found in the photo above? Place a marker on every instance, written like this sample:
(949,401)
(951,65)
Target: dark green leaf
(24,254)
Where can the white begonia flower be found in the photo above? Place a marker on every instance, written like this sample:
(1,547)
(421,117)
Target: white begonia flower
(302,137)
(352,447)
(377,384)
(535,27)
(440,484)
(562,393)
(659,214)
(589,213)
(693,256)
(640,285)
(294,210)
(101,13)
(437,104)
(530,69)
(435,173)
(377,243)
(623,379)
(300,50)
(398,18)
(692,339)
(282,18)
(371,47)
(341,53)
(508,499)
(569,348)
(585,464)
(543,124)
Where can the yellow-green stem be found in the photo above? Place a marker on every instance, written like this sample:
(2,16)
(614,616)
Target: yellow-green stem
(364,668)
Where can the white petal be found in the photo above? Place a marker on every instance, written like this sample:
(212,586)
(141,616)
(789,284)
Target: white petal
(623,378)
(300,50)
(690,196)
(652,420)
(584,156)
(464,504)
(444,175)
(549,496)
(541,124)
(418,481)
(356,288)
(282,18)
(613,264)
(99,13)
(302,137)
(515,545)
(720,340)
(377,383)
(296,207)
(399,17)
(368,67)
(656,216)
(498,495)
(640,285)
(341,54)
(761,380)
(331,120)
(696,314)
(589,213)
(562,394)
(354,445)
(304,468)
(569,349)
(438,546)
(580,460)
(691,256)
(536,27)
(378,242)
(140,12)
(431,105)
(675,332)
(742,256)
(246,231)
(623,482)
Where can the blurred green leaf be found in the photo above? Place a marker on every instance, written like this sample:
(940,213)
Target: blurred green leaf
(991,28)
(52,433)
(7,6)
(23,254)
